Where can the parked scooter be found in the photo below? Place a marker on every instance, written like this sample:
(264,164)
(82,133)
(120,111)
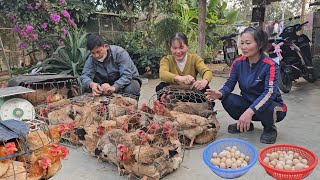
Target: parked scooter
(230,48)
(296,52)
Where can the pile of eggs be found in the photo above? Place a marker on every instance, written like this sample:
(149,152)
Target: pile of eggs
(286,160)
(231,157)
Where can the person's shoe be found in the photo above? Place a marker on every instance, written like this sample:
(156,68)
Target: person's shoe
(232,128)
(269,136)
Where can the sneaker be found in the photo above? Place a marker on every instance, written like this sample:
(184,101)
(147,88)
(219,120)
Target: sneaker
(232,128)
(269,136)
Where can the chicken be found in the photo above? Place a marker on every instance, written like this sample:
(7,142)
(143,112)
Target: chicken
(187,121)
(106,126)
(146,109)
(116,110)
(200,109)
(38,167)
(160,109)
(192,134)
(56,131)
(146,154)
(5,150)
(60,116)
(37,139)
(206,136)
(123,101)
(16,171)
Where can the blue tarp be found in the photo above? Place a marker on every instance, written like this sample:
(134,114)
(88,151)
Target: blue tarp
(11,129)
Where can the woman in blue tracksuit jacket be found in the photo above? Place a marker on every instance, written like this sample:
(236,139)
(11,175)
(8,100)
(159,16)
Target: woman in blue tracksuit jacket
(260,99)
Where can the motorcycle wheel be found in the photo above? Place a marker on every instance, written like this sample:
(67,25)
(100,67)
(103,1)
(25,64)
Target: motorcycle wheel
(285,82)
(311,76)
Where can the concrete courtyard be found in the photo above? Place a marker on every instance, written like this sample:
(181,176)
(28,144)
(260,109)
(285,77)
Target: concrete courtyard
(300,127)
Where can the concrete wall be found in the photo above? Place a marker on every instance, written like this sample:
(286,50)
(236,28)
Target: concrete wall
(316,41)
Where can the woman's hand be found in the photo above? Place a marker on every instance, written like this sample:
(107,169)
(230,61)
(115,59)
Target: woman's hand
(243,123)
(188,79)
(213,94)
(200,84)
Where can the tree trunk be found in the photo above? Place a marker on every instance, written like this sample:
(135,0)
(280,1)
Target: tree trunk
(201,28)
(127,6)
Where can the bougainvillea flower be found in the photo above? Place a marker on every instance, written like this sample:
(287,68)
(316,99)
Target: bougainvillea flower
(29,28)
(55,18)
(65,31)
(72,23)
(66,14)
(16,29)
(30,7)
(62,2)
(44,25)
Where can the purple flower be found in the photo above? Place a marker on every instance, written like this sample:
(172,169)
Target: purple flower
(23,44)
(44,25)
(65,14)
(23,33)
(60,43)
(16,29)
(72,23)
(55,18)
(65,31)
(29,28)
(62,2)
(34,36)
(30,7)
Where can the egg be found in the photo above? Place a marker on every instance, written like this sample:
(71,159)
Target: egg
(223,159)
(222,165)
(238,162)
(228,163)
(287,167)
(228,156)
(299,166)
(240,159)
(233,151)
(279,166)
(281,162)
(276,156)
(234,147)
(281,155)
(244,162)
(214,154)
(282,159)
(293,168)
(273,163)
(234,166)
(295,161)
(300,158)
(228,149)
(218,159)
(304,161)
(247,158)
(279,152)
(222,154)
(233,159)
(237,155)
(296,155)
(272,157)
(268,154)
(215,162)
(290,152)
(242,156)
(232,155)
(266,160)
(306,166)
(289,162)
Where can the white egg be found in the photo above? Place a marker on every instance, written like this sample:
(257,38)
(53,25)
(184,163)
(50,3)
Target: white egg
(240,159)
(289,162)
(278,152)
(268,154)
(214,154)
(244,162)
(273,163)
(242,156)
(276,156)
(287,167)
(243,165)
(222,165)
(238,162)
(233,159)
(295,161)
(247,158)
(234,166)
(272,157)
(293,168)
(290,152)
(281,155)
(222,154)
(228,148)
(223,159)
(281,159)
(296,155)
(266,160)
(228,163)
(232,155)
(279,166)
(300,158)
(234,147)
(304,161)
(218,159)
(306,166)
(299,166)
(228,156)
(215,162)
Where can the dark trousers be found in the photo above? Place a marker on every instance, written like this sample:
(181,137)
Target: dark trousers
(236,105)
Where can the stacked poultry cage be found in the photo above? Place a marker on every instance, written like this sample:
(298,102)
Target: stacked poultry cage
(192,112)
(48,87)
(142,142)
(27,151)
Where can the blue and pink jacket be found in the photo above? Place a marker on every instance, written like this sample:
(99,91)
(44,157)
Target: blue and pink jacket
(258,83)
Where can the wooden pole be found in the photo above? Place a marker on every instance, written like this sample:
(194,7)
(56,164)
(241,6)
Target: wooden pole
(5,57)
(303,10)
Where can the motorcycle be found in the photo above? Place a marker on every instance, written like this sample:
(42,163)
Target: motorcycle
(296,53)
(230,48)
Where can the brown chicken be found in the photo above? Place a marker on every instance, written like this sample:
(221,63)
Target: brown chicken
(16,171)
(38,167)
(5,150)
(200,109)
(123,101)
(37,139)
(146,154)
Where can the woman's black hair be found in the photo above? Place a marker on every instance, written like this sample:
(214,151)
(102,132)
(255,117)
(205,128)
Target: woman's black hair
(260,36)
(93,41)
(180,36)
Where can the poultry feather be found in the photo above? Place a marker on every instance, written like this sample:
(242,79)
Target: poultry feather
(5,150)
(16,171)
(206,136)
(187,121)
(146,154)
(38,167)
(123,101)
(37,139)
(200,109)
